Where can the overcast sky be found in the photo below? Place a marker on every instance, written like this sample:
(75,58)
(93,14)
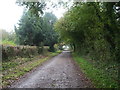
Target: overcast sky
(10,14)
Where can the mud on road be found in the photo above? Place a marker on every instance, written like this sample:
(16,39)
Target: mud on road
(59,72)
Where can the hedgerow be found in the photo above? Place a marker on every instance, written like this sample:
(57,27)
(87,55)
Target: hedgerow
(9,52)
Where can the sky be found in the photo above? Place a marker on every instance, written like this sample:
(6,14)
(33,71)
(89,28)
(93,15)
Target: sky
(10,14)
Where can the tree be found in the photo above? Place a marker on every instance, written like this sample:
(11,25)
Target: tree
(29,31)
(35,30)
(92,28)
(35,7)
(51,37)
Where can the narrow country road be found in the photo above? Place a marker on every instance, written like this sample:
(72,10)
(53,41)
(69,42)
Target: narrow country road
(59,72)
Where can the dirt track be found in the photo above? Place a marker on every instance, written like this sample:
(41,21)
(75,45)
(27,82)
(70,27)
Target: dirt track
(59,72)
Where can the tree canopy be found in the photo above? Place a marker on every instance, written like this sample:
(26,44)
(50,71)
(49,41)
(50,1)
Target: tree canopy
(92,28)
(33,30)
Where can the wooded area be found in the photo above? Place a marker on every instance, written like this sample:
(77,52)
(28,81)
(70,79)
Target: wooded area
(92,28)
(93,31)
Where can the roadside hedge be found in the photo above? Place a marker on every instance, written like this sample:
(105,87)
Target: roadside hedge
(9,52)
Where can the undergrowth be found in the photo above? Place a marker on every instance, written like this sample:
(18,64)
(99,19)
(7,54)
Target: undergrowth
(99,76)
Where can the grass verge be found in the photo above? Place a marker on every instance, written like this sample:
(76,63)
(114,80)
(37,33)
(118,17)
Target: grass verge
(99,78)
(16,71)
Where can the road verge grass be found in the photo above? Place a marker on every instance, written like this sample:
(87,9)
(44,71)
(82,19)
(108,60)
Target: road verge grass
(99,78)
(9,76)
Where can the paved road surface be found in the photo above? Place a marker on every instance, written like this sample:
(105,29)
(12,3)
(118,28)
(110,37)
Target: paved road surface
(59,72)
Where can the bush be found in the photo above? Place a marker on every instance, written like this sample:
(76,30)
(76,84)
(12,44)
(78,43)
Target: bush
(9,52)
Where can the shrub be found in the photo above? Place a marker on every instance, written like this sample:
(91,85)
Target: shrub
(9,52)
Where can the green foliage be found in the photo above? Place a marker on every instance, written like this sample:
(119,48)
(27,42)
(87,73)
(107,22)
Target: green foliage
(40,48)
(8,38)
(6,42)
(35,30)
(9,52)
(51,37)
(29,31)
(92,28)
(99,77)
(35,7)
